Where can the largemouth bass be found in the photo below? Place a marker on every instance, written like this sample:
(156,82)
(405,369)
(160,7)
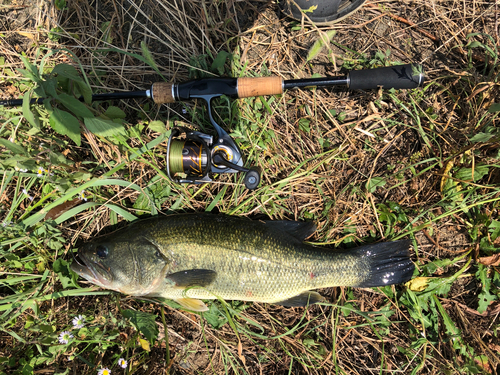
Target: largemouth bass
(203,256)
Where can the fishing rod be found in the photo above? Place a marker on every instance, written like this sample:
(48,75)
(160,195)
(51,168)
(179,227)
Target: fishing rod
(192,159)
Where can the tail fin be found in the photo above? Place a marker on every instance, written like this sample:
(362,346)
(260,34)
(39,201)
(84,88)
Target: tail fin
(389,263)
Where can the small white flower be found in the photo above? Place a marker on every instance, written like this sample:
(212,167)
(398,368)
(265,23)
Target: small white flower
(23,170)
(79,321)
(25,192)
(104,371)
(64,337)
(40,171)
(82,196)
(122,363)
(184,110)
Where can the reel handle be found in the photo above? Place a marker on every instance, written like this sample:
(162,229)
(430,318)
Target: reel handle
(252,175)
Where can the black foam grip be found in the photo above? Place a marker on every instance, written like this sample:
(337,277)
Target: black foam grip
(407,76)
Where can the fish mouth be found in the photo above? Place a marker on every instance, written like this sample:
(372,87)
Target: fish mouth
(88,269)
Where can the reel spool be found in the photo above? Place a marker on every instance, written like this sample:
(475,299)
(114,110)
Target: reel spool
(190,160)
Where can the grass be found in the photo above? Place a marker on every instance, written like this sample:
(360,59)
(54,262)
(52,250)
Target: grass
(365,166)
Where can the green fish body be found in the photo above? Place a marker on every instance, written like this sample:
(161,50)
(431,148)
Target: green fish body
(202,256)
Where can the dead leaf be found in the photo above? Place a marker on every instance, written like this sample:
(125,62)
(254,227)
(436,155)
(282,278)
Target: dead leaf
(240,353)
(492,309)
(494,347)
(418,284)
(27,34)
(145,344)
(62,208)
(484,364)
(493,260)
(123,337)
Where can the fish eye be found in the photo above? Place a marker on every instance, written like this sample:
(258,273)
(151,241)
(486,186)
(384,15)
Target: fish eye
(102,251)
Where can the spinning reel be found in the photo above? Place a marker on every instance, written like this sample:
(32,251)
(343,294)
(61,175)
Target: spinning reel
(192,159)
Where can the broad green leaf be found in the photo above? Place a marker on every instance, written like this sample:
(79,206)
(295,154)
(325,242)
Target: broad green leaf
(219,61)
(49,87)
(485,297)
(214,317)
(66,124)
(114,112)
(323,39)
(85,90)
(14,148)
(466,173)
(31,72)
(495,107)
(481,137)
(28,115)
(143,322)
(374,183)
(74,105)
(157,126)
(66,277)
(67,71)
(142,202)
(104,128)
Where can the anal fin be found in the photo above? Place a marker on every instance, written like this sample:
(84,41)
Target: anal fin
(303,299)
(192,304)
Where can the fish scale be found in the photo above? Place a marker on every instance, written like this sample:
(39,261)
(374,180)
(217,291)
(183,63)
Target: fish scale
(205,256)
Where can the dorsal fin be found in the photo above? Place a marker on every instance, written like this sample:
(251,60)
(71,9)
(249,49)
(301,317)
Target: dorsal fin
(297,229)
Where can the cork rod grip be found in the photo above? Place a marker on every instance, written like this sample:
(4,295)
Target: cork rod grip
(248,87)
(162,92)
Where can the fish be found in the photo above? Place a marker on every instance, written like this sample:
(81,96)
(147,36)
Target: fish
(193,257)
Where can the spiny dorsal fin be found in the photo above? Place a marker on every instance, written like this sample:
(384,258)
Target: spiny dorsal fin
(297,229)
(189,278)
(303,299)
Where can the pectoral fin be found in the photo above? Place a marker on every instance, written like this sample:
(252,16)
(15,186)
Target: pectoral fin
(303,299)
(192,304)
(189,278)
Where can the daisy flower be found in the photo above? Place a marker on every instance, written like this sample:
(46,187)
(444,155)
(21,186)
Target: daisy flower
(25,192)
(82,196)
(104,371)
(64,337)
(122,363)
(40,171)
(79,321)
